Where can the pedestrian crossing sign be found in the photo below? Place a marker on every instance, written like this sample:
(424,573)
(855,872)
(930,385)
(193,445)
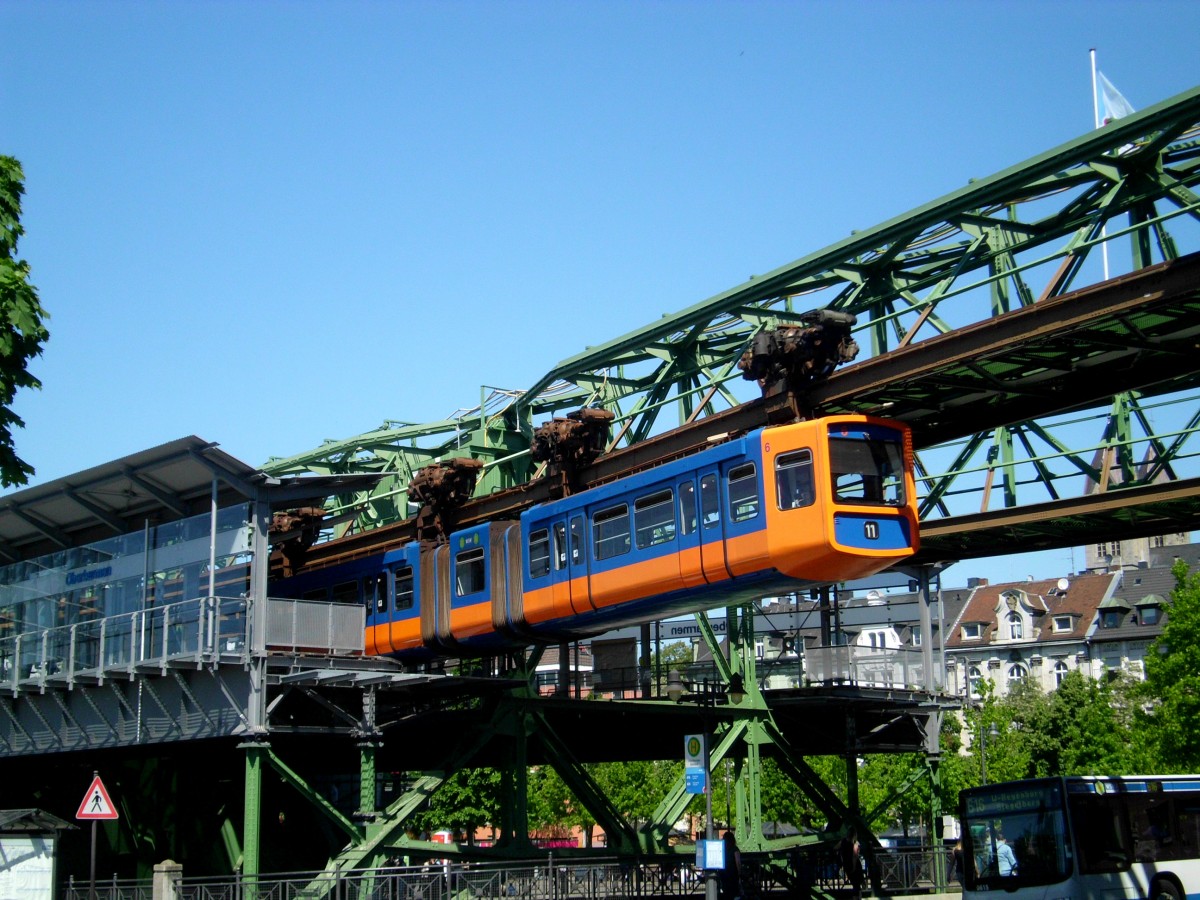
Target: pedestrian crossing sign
(96,804)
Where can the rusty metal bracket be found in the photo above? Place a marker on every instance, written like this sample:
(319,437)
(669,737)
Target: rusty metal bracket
(794,357)
(569,445)
(441,489)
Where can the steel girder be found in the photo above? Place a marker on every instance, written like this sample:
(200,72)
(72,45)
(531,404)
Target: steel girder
(1031,232)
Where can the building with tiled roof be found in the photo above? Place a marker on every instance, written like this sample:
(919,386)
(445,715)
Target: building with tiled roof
(1028,629)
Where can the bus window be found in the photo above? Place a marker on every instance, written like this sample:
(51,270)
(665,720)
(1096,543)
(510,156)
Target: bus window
(687,507)
(539,553)
(710,503)
(469,571)
(794,479)
(610,530)
(404,588)
(743,493)
(654,519)
(1100,838)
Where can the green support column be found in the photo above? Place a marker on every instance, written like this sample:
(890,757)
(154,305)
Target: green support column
(367,750)
(935,822)
(252,817)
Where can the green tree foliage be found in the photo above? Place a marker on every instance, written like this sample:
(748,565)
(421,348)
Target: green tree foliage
(1173,675)
(22,329)
(467,800)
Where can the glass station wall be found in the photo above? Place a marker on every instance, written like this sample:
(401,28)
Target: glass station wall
(147,569)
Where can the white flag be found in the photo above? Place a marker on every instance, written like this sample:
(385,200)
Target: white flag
(1115,106)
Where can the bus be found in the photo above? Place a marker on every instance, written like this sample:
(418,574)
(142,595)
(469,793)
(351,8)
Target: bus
(1083,837)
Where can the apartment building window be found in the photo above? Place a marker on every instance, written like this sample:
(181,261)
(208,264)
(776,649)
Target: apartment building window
(1016,627)
(1060,672)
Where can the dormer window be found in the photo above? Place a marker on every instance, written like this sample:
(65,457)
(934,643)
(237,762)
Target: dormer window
(1150,615)
(1063,623)
(1016,627)
(1110,618)
(971,632)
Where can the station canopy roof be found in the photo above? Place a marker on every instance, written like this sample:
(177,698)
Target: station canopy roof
(156,486)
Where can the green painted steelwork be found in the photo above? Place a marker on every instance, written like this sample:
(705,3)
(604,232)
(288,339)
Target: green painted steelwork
(1024,234)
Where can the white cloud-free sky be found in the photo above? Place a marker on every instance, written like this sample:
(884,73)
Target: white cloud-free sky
(273,223)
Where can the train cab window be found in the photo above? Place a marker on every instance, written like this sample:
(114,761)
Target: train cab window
(867,471)
(346,592)
(576,541)
(794,479)
(654,519)
(404,588)
(610,531)
(560,546)
(539,553)
(687,507)
(469,571)
(710,503)
(375,593)
(743,493)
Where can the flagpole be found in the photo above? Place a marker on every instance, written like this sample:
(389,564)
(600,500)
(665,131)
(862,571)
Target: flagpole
(1096,120)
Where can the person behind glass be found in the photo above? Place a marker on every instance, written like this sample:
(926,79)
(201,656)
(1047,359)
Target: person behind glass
(731,875)
(851,857)
(1006,860)
(957,862)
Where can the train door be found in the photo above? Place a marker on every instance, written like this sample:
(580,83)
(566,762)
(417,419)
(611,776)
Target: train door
(691,571)
(559,575)
(577,566)
(712,538)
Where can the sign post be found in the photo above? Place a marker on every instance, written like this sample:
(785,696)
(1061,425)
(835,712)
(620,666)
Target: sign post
(95,807)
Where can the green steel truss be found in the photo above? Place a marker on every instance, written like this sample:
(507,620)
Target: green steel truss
(1110,202)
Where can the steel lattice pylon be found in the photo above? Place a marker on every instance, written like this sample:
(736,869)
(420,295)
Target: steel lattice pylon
(1125,192)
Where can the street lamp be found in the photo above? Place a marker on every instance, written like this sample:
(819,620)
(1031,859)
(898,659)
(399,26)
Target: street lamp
(707,695)
(993,732)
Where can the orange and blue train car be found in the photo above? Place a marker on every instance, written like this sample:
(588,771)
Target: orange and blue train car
(774,510)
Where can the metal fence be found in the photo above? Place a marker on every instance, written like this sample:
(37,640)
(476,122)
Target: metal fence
(798,874)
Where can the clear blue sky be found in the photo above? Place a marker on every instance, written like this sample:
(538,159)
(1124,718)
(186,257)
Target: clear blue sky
(273,223)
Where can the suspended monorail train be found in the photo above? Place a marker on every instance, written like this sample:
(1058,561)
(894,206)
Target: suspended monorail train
(778,509)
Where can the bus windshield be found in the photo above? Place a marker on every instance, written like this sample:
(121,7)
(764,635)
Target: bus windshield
(867,470)
(1015,835)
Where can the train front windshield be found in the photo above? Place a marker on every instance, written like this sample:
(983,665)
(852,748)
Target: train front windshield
(867,466)
(1015,836)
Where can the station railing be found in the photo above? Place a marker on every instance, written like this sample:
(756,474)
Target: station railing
(188,633)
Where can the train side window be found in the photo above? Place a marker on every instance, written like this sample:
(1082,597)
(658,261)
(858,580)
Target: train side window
(469,571)
(576,541)
(539,553)
(654,519)
(794,479)
(346,592)
(743,493)
(404,588)
(375,592)
(560,546)
(318,594)
(687,507)
(610,530)
(710,503)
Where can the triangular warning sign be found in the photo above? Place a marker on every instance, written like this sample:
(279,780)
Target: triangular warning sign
(96,804)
